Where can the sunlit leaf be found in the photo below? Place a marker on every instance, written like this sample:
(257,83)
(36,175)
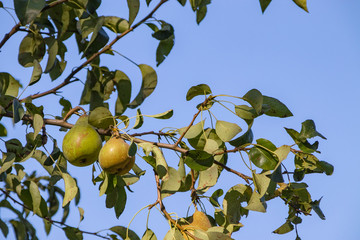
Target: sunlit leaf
(302,4)
(201,89)
(255,203)
(193,131)
(161,165)
(38,123)
(134,6)
(172,184)
(285,228)
(71,188)
(36,74)
(226,130)
(149,82)
(123,87)
(116,24)
(149,235)
(9,85)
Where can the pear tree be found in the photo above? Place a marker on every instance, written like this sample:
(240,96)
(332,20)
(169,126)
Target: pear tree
(109,141)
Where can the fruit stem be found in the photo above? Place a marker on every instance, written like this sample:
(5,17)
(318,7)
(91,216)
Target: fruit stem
(74,110)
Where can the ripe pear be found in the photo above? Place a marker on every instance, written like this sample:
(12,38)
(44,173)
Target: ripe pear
(114,158)
(82,144)
(200,222)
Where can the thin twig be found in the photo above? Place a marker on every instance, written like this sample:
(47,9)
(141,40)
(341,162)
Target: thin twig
(192,121)
(243,176)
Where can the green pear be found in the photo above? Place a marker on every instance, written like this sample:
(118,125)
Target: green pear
(82,144)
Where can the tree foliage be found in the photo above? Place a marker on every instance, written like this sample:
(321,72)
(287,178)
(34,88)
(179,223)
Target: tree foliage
(203,146)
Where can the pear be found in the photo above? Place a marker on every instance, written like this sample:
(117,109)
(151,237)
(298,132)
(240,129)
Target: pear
(200,222)
(114,158)
(82,144)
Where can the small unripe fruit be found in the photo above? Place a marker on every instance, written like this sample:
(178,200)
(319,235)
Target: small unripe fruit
(200,222)
(82,144)
(114,158)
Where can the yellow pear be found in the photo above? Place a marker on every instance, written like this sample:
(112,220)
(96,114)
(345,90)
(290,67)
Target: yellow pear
(114,158)
(200,222)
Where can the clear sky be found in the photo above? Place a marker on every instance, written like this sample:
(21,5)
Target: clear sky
(309,61)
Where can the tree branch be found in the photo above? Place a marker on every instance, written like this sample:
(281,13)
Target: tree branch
(53,222)
(192,121)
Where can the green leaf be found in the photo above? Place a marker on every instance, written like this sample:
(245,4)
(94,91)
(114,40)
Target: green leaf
(208,178)
(101,117)
(121,202)
(285,228)
(261,182)
(173,234)
(246,138)
(38,123)
(71,188)
(27,10)
(201,13)
(123,87)
(266,143)
(327,168)
(149,82)
(161,165)
(255,98)
(3,131)
(193,131)
(139,119)
(308,130)
(275,108)
(121,231)
(149,235)
(302,4)
(282,152)
(182,2)
(19,229)
(233,199)
(81,213)
(132,149)
(36,74)
(66,106)
(164,33)
(264,4)
(316,207)
(32,47)
(134,6)
(164,48)
(255,203)
(262,158)
(52,51)
(245,112)
(199,160)
(214,199)
(172,184)
(7,162)
(36,198)
(201,89)
(73,233)
(226,130)
(4,228)
(302,143)
(116,24)
(9,85)
(165,115)
(18,111)
(211,146)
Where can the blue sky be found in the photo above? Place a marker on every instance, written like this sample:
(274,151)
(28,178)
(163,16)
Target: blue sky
(309,61)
